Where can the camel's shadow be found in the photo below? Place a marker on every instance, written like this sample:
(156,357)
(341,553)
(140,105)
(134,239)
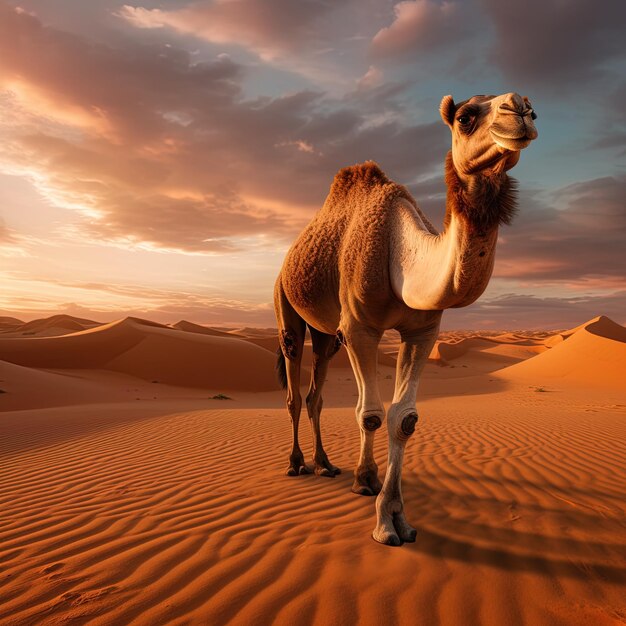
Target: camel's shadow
(505,546)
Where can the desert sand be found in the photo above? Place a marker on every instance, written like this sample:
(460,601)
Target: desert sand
(142,481)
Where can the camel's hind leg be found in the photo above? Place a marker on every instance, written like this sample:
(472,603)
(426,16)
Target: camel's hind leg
(324,347)
(291,331)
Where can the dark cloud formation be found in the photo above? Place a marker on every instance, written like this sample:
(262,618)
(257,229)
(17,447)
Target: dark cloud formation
(424,27)
(576,235)
(556,44)
(516,312)
(611,129)
(160,149)
(547,44)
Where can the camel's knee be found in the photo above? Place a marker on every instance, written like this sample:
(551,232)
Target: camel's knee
(407,425)
(371,422)
(403,428)
(289,344)
(339,341)
(294,405)
(314,403)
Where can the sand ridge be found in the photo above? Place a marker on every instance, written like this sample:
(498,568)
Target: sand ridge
(593,354)
(137,348)
(126,500)
(517,525)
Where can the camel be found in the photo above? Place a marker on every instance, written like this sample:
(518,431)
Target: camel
(370,261)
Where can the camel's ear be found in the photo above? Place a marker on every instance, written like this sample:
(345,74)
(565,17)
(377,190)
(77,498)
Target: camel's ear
(447,108)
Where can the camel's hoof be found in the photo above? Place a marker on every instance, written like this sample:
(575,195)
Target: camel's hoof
(386,537)
(323,467)
(405,532)
(366,483)
(324,471)
(297,469)
(331,471)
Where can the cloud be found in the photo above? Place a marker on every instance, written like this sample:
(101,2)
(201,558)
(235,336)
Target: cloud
(545,44)
(525,311)
(12,244)
(555,44)
(107,302)
(5,233)
(371,79)
(610,129)
(153,149)
(574,235)
(423,26)
(270,28)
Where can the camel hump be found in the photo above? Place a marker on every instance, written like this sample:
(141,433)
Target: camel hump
(374,190)
(366,174)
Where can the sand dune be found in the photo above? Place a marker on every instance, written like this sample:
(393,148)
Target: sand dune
(53,326)
(593,355)
(125,501)
(504,345)
(340,361)
(58,321)
(28,387)
(248,331)
(7,321)
(448,350)
(151,351)
(197,328)
(480,354)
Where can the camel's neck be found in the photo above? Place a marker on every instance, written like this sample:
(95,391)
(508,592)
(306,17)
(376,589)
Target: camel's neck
(432,272)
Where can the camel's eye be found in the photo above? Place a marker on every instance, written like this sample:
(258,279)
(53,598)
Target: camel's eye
(464,120)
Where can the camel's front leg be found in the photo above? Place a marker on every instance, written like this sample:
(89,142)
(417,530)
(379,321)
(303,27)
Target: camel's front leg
(362,347)
(392,527)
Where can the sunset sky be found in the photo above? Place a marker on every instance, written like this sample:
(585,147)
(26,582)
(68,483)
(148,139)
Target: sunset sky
(157,159)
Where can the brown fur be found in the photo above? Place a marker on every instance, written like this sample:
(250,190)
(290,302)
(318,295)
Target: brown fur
(344,244)
(489,201)
(367,173)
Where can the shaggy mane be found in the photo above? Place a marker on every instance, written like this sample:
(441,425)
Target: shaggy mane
(491,201)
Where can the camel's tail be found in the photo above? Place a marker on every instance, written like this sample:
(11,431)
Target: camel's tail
(281,369)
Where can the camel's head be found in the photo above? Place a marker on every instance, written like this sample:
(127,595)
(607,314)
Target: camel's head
(488,132)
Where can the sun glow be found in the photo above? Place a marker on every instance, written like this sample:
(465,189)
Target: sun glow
(37,103)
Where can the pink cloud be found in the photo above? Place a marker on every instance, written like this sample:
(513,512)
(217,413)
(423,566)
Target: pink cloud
(513,311)
(422,26)
(269,27)
(107,302)
(155,150)
(573,235)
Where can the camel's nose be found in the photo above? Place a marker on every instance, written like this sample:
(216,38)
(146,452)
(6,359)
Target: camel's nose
(512,102)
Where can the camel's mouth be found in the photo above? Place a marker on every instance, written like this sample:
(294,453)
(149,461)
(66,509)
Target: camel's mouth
(510,143)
